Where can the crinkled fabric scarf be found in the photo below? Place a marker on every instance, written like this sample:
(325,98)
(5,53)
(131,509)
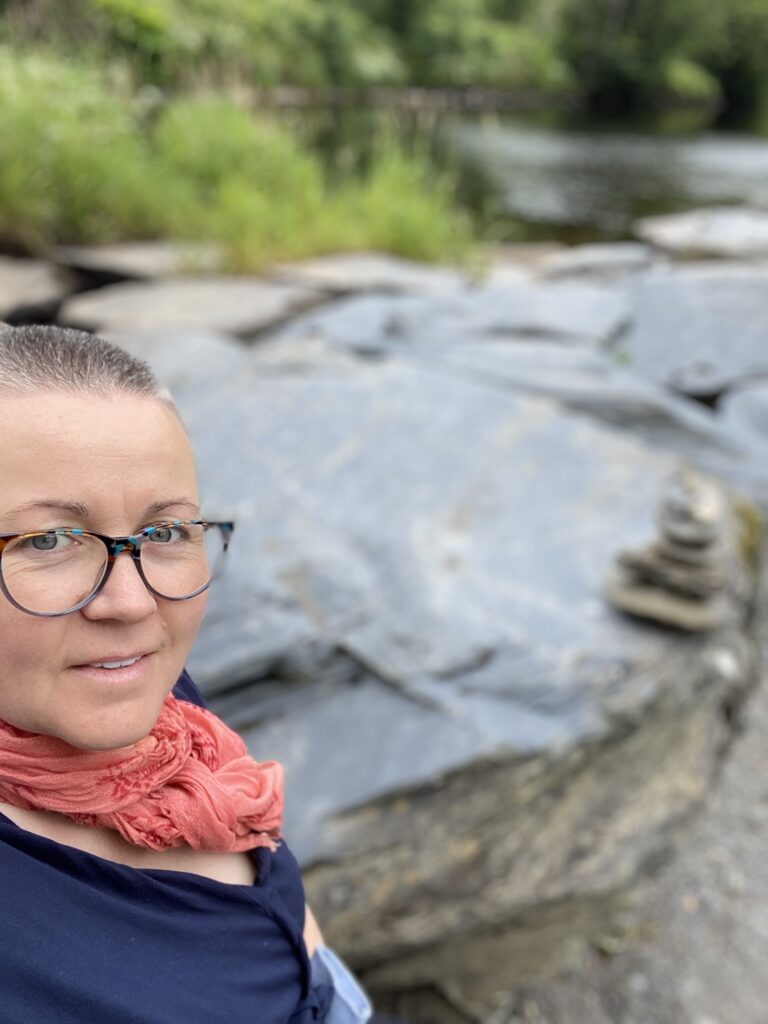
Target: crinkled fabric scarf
(190,781)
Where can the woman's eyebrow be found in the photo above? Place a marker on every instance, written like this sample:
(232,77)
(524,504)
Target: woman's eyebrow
(162,506)
(72,507)
(80,511)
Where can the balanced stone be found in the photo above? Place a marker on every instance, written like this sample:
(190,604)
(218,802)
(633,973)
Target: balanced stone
(29,290)
(727,231)
(681,579)
(234,305)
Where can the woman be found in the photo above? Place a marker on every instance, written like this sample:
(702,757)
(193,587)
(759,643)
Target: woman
(144,876)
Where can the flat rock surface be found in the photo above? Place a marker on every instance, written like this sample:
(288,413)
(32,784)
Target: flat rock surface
(602,386)
(574,313)
(699,329)
(727,231)
(138,260)
(234,305)
(29,289)
(371,272)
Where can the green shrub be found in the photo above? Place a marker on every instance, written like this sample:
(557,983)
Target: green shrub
(81,164)
(73,167)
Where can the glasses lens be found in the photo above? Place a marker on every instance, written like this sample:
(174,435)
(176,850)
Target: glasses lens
(180,560)
(54,571)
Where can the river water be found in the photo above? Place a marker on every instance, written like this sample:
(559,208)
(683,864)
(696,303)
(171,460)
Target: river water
(550,176)
(580,181)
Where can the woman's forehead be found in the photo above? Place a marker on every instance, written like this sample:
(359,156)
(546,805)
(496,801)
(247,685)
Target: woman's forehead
(129,451)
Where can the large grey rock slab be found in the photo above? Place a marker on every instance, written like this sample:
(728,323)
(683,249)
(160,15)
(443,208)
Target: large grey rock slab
(413,622)
(234,305)
(724,231)
(699,329)
(29,290)
(573,313)
(370,272)
(137,260)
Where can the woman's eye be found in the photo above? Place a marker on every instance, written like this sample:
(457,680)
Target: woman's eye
(166,534)
(48,542)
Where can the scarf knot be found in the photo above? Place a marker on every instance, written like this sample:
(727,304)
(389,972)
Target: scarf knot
(189,782)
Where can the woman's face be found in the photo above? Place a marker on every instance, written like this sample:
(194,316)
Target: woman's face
(120,459)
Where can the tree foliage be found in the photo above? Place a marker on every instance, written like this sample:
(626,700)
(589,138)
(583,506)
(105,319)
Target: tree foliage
(618,54)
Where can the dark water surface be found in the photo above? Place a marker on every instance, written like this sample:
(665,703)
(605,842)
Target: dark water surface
(595,180)
(551,176)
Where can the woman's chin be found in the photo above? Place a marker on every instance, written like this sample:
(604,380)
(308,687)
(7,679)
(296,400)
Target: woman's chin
(110,733)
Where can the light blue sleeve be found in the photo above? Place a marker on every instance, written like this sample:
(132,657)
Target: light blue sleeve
(349,1004)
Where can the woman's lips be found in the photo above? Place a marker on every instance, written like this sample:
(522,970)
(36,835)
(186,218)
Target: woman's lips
(125,674)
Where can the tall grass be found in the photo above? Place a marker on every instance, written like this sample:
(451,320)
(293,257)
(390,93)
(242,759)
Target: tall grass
(85,159)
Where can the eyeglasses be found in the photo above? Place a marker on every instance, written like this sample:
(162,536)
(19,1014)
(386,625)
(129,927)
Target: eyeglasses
(55,572)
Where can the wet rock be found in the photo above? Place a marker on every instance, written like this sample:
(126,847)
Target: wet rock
(370,272)
(234,305)
(727,231)
(107,264)
(30,290)
(699,329)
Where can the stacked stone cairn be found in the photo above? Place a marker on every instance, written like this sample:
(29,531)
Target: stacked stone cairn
(681,578)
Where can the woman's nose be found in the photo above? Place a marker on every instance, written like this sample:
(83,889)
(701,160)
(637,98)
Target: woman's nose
(124,595)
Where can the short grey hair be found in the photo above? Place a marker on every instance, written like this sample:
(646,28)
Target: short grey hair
(41,357)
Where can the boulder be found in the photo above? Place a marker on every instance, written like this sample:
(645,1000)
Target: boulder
(700,329)
(480,752)
(727,232)
(233,305)
(136,261)
(30,290)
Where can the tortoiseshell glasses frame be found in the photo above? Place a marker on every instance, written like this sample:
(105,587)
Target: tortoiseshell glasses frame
(115,546)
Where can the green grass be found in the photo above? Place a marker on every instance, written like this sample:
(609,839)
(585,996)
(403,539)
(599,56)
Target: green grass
(85,159)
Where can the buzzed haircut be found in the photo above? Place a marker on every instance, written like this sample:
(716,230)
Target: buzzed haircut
(37,358)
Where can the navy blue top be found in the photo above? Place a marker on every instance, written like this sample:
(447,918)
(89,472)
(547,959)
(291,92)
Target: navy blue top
(85,939)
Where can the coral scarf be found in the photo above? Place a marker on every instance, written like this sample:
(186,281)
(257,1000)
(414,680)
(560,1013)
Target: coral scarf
(190,781)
